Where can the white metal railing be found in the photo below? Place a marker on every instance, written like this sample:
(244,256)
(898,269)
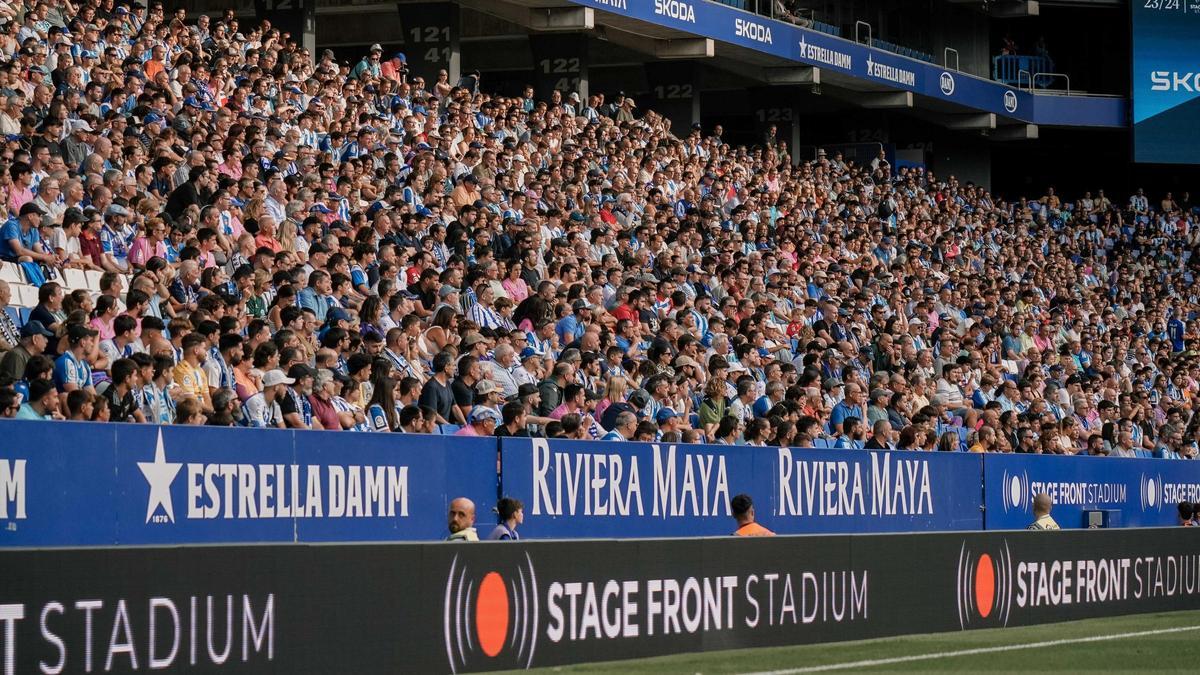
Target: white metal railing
(870,32)
(946,52)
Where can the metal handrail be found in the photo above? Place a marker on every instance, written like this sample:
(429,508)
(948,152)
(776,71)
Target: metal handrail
(870,33)
(1019,80)
(946,58)
(1033,81)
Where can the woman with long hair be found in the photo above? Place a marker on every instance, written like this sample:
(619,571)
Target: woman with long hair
(442,332)
(616,388)
(381,409)
(102,317)
(369,315)
(514,285)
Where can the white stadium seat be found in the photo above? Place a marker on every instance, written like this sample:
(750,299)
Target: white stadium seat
(73,279)
(11,272)
(24,295)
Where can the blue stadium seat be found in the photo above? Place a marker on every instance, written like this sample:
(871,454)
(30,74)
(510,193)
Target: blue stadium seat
(448,429)
(24,313)
(14,315)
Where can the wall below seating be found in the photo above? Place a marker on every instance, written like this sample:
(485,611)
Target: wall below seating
(386,608)
(81,484)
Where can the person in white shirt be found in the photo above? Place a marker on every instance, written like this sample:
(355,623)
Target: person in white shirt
(502,367)
(624,428)
(262,409)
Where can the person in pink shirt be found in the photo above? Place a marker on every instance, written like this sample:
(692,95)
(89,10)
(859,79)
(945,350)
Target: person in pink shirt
(481,421)
(20,192)
(150,244)
(102,317)
(514,285)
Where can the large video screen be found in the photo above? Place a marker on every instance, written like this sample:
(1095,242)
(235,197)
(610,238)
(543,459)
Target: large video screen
(1166,81)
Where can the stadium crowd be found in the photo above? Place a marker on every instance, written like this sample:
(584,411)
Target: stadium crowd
(289,241)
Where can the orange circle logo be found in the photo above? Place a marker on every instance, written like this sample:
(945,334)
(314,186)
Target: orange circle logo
(491,614)
(985,585)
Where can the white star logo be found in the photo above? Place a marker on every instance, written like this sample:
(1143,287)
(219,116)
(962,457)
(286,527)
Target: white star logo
(160,474)
(803,47)
(870,65)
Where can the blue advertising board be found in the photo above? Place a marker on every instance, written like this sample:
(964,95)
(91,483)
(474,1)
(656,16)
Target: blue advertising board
(1165,77)
(79,484)
(837,55)
(1143,492)
(597,489)
(58,484)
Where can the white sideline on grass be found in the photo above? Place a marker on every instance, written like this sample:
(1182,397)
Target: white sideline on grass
(869,663)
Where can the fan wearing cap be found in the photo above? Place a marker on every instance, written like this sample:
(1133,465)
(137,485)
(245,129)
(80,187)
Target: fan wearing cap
(488,394)
(35,337)
(395,68)
(262,410)
(21,239)
(669,422)
(481,421)
(71,370)
(296,408)
(370,64)
(571,327)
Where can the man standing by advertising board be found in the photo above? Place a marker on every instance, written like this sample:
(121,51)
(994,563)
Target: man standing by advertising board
(1041,512)
(743,512)
(462,520)
(1187,512)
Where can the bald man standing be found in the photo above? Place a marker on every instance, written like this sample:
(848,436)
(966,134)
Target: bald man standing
(462,520)
(1041,512)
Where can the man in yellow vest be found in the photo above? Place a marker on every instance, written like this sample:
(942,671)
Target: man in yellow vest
(743,512)
(462,520)
(1041,512)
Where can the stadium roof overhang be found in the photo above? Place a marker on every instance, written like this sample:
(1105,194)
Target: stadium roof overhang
(769,52)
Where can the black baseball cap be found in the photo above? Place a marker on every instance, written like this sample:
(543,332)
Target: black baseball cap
(36,327)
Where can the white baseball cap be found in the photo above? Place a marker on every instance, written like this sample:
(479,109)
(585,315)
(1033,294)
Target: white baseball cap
(275,377)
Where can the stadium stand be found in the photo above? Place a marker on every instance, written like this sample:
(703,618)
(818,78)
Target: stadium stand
(316,245)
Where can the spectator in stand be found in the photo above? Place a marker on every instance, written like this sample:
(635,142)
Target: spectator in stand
(736,282)
(481,421)
(42,403)
(34,339)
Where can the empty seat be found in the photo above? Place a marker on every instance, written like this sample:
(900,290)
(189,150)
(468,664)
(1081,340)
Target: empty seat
(93,279)
(11,272)
(74,279)
(448,429)
(24,313)
(24,295)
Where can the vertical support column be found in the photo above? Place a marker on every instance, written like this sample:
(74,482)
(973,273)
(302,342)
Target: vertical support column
(430,34)
(295,17)
(675,92)
(560,62)
(776,106)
